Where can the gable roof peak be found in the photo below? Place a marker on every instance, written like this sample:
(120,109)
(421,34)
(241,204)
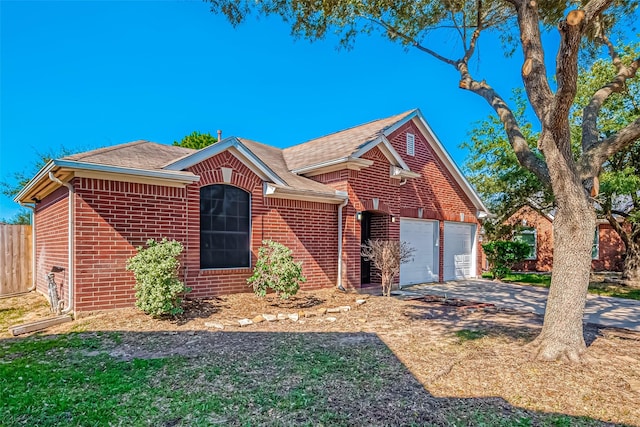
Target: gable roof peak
(341,144)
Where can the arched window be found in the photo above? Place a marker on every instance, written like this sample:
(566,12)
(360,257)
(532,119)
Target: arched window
(224,227)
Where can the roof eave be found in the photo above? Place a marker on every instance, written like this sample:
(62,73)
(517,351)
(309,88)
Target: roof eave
(74,166)
(281,192)
(333,165)
(22,196)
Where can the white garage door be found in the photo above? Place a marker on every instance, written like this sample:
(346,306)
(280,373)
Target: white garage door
(422,236)
(459,250)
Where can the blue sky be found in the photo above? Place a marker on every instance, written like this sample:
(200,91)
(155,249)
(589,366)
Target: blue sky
(89,74)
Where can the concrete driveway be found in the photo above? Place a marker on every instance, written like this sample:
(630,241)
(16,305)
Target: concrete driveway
(604,311)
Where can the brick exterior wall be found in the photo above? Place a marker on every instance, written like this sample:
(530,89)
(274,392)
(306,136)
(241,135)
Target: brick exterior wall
(113,218)
(436,192)
(544,238)
(611,250)
(52,233)
(611,247)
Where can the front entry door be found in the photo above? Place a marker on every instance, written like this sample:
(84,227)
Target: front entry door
(365,234)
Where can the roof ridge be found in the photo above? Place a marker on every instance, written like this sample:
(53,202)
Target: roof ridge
(106,149)
(404,114)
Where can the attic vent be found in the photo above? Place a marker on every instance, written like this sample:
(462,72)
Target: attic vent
(411,144)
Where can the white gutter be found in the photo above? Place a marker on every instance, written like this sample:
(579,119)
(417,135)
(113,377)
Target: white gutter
(71,215)
(34,281)
(340,206)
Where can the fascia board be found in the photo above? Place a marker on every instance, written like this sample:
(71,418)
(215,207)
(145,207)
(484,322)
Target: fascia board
(186,177)
(202,154)
(442,153)
(387,149)
(279,192)
(347,162)
(44,172)
(259,164)
(236,147)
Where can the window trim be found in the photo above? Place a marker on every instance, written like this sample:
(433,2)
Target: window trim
(531,231)
(250,232)
(596,244)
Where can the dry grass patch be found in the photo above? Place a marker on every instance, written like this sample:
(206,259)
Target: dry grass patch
(473,366)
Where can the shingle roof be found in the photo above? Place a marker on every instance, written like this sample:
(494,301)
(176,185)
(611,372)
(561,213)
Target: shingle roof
(137,154)
(339,144)
(274,159)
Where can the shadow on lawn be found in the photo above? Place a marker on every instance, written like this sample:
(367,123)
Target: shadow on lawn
(510,323)
(231,378)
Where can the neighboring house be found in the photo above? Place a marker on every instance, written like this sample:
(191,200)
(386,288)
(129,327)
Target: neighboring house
(390,179)
(536,229)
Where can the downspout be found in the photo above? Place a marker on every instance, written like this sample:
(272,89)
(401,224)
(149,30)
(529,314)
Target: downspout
(70,244)
(342,205)
(34,281)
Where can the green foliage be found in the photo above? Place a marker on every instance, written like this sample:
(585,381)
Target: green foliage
(196,140)
(22,217)
(493,169)
(470,334)
(503,254)
(158,290)
(275,269)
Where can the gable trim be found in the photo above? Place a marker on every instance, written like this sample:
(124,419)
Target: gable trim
(443,155)
(387,149)
(237,148)
(41,185)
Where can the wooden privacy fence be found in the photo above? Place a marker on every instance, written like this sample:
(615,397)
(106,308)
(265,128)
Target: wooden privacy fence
(15,259)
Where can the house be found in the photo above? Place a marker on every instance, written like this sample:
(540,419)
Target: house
(389,178)
(536,228)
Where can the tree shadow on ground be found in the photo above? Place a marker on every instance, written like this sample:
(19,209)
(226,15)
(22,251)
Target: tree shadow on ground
(232,378)
(494,321)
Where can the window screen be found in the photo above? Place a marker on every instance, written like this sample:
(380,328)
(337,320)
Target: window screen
(224,227)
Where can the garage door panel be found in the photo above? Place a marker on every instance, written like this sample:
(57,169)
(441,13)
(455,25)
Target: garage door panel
(459,258)
(421,235)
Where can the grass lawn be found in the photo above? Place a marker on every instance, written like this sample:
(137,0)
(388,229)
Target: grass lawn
(599,288)
(387,362)
(280,379)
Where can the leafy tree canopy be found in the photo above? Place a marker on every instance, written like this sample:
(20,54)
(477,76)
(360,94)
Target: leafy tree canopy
(196,140)
(583,28)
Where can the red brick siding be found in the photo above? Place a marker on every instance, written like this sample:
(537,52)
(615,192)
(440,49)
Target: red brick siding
(309,229)
(612,249)
(52,231)
(436,191)
(544,239)
(112,219)
(610,255)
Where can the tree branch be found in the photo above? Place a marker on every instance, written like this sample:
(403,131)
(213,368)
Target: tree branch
(618,228)
(534,73)
(525,156)
(598,153)
(570,29)
(590,134)
(410,40)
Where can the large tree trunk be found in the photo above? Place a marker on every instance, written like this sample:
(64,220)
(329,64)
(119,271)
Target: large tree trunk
(562,335)
(631,269)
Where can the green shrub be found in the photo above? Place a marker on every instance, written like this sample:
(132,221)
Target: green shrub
(158,290)
(503,254)
(275,269)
